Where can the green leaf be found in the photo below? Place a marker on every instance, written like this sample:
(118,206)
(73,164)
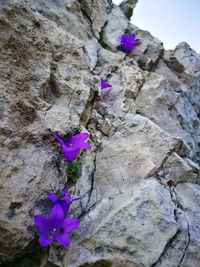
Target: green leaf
(74,171)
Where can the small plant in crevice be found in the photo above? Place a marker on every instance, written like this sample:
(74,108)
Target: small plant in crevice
(73,171)
(71,148)
(57,225)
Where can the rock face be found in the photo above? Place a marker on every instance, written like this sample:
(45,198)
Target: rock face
(127,7)
(140,183)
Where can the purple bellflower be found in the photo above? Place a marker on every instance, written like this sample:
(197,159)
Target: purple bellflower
(72,146)
(128,42)
(105,87)
(55,227)
(64,201)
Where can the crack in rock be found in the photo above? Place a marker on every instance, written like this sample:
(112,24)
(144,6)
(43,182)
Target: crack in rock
(188,229)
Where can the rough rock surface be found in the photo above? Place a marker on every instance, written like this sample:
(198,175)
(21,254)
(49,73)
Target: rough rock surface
(140,184)
(127,7)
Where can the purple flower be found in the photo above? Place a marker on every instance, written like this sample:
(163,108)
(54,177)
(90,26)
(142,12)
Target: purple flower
(64,201)
(104,84)
(128,42)
(73,145)
(55,227)
(105,87)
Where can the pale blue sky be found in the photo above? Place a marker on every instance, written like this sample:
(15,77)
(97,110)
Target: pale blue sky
(171,21)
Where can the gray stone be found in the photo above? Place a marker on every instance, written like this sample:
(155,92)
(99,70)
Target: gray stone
(149,49)
(176,169)
(188,57)
(127,7)
(115,26)
(158,101)
(189,198)
(41,91)
(139,186)
(136,225)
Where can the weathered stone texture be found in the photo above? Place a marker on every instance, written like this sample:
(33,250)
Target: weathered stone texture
(140,183)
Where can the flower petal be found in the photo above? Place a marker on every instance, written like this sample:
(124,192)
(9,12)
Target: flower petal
(56,216)
(79,138)
(68,141)
(128,42)
(63,238)
(65,192)
(45,240)
(72,145)
(75,199)
(53,197)
(79,141)
(65,204)
(76,138)
(70,224)
(85,146)
(132,36)
(41,222)
(104,84)
(58,137)
(70,153)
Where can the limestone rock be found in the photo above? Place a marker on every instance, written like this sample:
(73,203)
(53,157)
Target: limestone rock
(127,6)
(162,69)
(177,169)
(183,248)
(118,162)
(158,101)
(125,144)
(148,51)
(67,14)
(121,229)
(139,186)
(107,128)
(188,57)
(97,12)
(189,198)
(115,26)
(41,91)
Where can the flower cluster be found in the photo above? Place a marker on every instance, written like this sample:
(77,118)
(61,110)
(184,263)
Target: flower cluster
(57,225)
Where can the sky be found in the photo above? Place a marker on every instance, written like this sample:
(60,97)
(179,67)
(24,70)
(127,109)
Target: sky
(171,21)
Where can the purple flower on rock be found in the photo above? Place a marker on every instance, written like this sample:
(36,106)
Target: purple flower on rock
(128,42)
(55,227)
(64,201)
(72,146)
(105,85)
